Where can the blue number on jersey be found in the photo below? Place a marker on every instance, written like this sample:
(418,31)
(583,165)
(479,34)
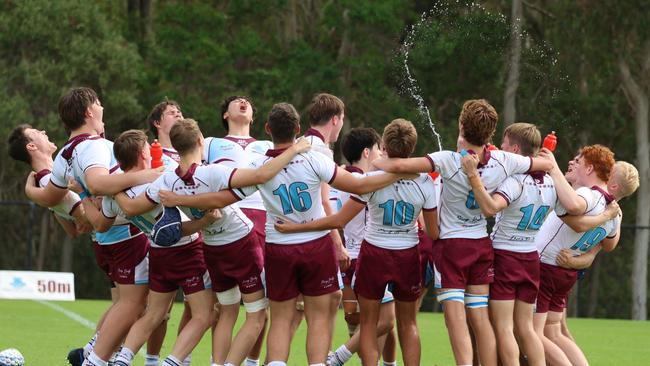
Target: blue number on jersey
(589,239)
(471,201)
(400,213)
(295,198)
(537,220)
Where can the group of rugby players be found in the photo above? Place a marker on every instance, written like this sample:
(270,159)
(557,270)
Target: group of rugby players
(257,222)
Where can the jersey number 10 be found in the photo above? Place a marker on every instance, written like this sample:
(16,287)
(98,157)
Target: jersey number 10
(295,198)
(400,213)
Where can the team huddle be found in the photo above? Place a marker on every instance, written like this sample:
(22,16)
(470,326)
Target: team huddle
(235,220)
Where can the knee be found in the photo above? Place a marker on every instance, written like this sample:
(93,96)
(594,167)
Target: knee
(385,325)
(352,318)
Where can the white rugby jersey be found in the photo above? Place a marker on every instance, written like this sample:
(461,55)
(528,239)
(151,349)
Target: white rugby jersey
(317,141)
(293,195)
(79,154)
(170,155)
(354,230)
(531,197)
(459,214)
(233,225)
(393,211)
(67,205)
(555,235)
(237,152)
(146,221)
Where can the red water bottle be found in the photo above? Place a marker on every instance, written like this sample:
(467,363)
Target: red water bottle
(491,147)
(156,154)
(550,141)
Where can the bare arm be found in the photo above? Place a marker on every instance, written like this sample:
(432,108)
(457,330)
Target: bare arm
(251,177)
(566,259)
(97,219)
(48,196)
(431,223)
(400,166)
(193,226)
(203,201)
(610,244)
(570,200)
(489,205)
(584,223)
(337,221)
(349,183)
(341,253)
(101,183)
(134,206)
(68,226)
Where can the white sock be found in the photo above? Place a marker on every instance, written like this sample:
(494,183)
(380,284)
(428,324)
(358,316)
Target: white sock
(188,360)
(316,364)
(94,360)
(251,362)
(394,363)
(343,354)
(228,364)
(125,357)
(276,363)
(89,346)
(172,361)
(151,360)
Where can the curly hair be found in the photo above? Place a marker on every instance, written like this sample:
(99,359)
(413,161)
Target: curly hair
(601,158)
(478,120)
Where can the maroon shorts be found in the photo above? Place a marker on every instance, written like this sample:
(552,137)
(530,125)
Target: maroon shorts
(554,287)
(309,268)
(463,262)
(258,217)
(101,259)
(182,266)
(348,274)
(239,263)
(377,267)
(516,276)
(426,256)
(127,260)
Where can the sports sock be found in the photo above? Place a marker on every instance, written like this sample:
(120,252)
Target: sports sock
(125,357)
(343,354)
(94,360)
(188,360)
(276,363)
(228,364)
(394,363)
(172,361)
(151,360)
(251,362)
(89,346)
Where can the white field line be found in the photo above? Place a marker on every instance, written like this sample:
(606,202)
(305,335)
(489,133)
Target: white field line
(76,317)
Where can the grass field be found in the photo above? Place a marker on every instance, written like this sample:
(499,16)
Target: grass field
(44,334)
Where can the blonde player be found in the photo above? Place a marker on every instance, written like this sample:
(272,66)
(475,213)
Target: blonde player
(88,158)
(295,263)
(389,253)
(465,249)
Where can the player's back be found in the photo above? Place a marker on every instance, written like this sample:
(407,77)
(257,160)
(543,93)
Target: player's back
(555,235)
(294,193)
(460,215)
(394,209)
(354,230)
(530,197)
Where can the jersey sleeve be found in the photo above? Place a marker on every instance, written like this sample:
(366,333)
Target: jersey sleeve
(516,164)
(70,201)
(94,153)
(153,190)
(243,192)
(219,176)
(442,162)
(510,189)
(110,209)
(324,167)
(58,176)
(616,223)
(430,198)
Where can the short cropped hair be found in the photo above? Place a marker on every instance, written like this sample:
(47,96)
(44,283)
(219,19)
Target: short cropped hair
(627,177)
(526,135)
(128,146)
(157,112)
(400,137)
(226,103)
(283,120)
(17,144)
(357,140)
(602,159)
(479,121)
(73,105)
(323,107)
(184,135)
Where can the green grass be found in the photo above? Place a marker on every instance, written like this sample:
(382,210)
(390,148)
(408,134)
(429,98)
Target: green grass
(44,335)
